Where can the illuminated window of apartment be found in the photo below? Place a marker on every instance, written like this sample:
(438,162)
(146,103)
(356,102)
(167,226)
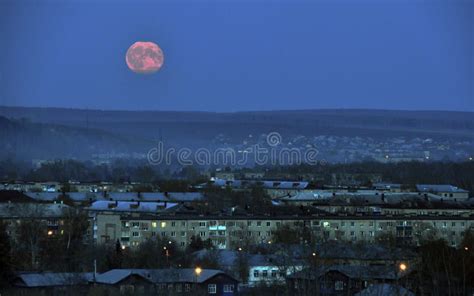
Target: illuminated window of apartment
(163,224)
(154,224)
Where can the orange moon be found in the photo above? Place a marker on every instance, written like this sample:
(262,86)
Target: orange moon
(144,57)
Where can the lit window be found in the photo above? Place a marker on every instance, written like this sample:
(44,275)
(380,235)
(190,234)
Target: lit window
(154,224)
(163,224)
(212,288)
(228,288)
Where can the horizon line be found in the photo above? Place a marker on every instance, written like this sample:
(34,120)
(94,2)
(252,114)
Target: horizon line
(230,112)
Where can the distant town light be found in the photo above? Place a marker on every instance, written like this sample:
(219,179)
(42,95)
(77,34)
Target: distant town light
(123,247)
(466,248)
(50,232)
(314,254)
(470,158)
(240,249)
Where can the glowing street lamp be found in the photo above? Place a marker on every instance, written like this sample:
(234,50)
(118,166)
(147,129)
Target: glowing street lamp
(402,267)
(198,271)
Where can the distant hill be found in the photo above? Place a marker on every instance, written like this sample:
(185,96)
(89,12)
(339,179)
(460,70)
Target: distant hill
(69,132)
(27,140)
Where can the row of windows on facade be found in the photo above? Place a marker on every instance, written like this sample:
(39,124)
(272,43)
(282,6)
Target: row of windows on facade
(211,288)
(264,273)
(163,224)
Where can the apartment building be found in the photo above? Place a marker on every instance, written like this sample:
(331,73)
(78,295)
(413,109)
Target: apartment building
(232,232)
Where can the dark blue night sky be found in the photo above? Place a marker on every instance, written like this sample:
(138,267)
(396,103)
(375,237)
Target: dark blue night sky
(234,55)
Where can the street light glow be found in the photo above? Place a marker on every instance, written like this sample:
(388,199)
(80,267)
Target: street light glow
(197,270)
(403,266)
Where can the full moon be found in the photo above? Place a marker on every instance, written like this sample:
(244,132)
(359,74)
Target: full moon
(144,57)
